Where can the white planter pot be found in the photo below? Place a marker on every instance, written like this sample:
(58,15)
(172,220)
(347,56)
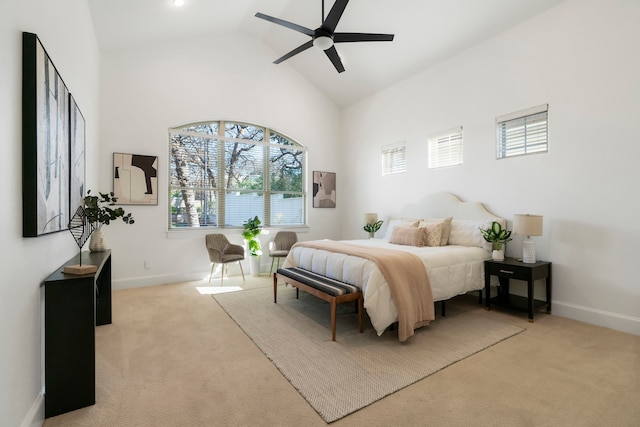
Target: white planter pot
(497,255)
(255,265)
(97,242)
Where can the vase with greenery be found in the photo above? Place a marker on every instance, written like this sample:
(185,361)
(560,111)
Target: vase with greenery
(101,210)
(497,236)
(372,228)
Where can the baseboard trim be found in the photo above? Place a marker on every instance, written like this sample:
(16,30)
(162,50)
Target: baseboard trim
(619,322)
(35,416)
(163,279)
(141,282)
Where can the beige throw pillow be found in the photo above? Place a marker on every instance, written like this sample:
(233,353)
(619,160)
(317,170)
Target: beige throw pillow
(408,236)
(446,228)
(434,233)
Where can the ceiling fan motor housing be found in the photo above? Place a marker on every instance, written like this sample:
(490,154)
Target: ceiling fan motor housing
(322,38)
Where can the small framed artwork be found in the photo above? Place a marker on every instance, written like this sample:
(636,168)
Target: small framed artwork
(324,189)
(45,142)
(135,179)
(77,152)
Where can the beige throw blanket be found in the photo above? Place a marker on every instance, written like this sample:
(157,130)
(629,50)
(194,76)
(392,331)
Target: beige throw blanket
(407,278)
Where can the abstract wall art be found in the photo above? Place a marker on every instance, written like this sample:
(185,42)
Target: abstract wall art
(324,189)
(135,179)
(45,142)
(77,153)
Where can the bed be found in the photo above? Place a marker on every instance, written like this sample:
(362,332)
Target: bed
(453,268)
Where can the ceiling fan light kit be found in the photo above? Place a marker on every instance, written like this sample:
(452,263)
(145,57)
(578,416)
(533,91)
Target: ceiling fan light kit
(324,37)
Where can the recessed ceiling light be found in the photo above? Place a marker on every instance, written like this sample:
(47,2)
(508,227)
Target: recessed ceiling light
(178,2)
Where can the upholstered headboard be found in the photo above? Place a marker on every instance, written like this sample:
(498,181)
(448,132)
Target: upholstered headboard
(468,217)
(443,204)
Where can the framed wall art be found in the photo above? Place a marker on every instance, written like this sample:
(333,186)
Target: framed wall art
(77,153)
(135,179)
(324,189)
(45,142)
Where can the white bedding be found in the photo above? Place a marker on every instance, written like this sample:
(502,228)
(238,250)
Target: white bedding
(452,270)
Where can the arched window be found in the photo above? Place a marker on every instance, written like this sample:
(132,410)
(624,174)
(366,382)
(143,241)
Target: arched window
(223,173)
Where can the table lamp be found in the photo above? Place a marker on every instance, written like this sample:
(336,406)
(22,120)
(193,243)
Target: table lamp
(528,225)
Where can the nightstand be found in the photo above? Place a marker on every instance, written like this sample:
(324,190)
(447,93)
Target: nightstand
(511,268)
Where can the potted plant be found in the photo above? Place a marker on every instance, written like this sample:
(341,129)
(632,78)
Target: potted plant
(101,210)
(372,228)
(497,236)
(251,230)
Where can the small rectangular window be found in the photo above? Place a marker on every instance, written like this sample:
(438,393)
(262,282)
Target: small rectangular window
(445,148)
(394,158)
(523,132)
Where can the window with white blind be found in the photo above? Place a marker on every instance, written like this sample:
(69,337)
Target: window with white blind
(222,173)
(394,158)
(445,148)
(523,132)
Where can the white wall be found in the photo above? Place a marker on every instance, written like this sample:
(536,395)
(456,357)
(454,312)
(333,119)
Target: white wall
(582,59)
(146,90)
(66,30)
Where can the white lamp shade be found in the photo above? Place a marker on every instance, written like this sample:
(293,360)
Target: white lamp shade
(527,225)
(370,218)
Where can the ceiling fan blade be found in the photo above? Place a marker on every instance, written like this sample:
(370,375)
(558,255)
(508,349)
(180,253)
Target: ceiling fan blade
(295,51)
(290,25)
(332,53)
(361,37)
(331,21)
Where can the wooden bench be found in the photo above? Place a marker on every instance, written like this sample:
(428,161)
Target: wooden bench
(330,290)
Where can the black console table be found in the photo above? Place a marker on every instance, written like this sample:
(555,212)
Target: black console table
(73,306)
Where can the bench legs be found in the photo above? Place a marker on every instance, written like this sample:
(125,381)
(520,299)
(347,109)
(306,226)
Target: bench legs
(333,301)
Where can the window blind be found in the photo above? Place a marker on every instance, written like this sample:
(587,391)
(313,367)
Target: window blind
(394,158)
(523,132)
(445,148)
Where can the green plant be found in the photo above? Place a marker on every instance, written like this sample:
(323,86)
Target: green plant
(373,227)
(496,235)
(252,228)
(98,209)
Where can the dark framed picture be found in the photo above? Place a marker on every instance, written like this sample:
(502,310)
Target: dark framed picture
(45,142)
(77,153)
(135,179)
(324,189)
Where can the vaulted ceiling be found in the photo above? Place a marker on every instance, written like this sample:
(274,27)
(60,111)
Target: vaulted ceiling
(426,31)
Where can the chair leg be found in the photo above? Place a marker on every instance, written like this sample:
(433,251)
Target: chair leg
(222,275)
(241,271)
(271,269)
(213,264)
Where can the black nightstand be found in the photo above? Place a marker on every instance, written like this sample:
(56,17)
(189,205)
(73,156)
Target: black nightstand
(511,268)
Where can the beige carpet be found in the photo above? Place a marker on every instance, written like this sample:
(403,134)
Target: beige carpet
(338,378)
(174,358)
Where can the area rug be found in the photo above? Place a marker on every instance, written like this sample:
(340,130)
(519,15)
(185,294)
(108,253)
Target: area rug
(342,376)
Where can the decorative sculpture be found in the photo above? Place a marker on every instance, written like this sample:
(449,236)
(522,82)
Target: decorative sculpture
(81,229)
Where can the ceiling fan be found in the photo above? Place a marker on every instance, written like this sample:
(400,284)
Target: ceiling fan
(325,36)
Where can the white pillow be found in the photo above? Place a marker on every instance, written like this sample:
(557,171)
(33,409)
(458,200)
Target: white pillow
(466,232)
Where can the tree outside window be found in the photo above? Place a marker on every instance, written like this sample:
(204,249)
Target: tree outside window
(222,173)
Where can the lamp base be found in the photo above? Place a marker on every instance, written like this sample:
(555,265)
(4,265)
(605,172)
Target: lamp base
(528,251)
